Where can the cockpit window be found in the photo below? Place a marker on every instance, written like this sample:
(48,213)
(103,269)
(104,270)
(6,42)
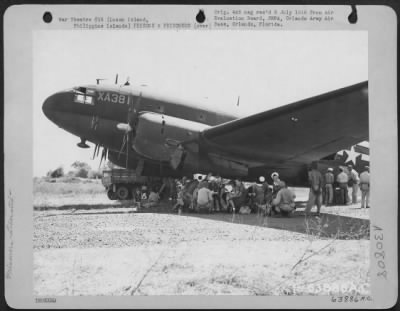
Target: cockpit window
(89,100)
(79,98)
(83,95)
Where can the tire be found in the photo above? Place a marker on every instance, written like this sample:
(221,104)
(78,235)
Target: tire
(122,193)
(111,194)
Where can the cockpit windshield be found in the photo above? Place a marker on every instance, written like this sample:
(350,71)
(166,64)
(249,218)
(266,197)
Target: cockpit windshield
(83,95)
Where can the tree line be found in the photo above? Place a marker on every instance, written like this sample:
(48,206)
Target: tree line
(79,169)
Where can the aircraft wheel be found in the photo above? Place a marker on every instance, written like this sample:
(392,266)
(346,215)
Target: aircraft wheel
(122,193)
(111,195)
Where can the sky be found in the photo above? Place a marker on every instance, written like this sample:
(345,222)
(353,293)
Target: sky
(267,69)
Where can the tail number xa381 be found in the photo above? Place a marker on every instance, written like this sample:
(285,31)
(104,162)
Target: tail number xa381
(111,97)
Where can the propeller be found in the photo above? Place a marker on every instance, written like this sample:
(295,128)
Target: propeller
(104,153)
(116,79)
(130,127)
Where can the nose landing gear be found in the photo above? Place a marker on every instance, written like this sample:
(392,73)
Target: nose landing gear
(82,143)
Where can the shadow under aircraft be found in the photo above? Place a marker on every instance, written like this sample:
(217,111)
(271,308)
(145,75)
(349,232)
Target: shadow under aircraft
(162,136)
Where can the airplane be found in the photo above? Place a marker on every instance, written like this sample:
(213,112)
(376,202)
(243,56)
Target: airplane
(164,136)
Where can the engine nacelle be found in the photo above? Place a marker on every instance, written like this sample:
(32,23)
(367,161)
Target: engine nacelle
(158,136)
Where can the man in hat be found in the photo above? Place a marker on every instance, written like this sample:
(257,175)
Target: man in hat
(354,180)
(329,179)
(364,186)
(342,179)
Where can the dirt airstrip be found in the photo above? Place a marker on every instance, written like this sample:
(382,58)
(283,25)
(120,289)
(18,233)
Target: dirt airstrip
(86,245)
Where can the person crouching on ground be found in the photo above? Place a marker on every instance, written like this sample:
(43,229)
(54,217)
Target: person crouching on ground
(154,197)
(315,195)
(284,200)
(204,198)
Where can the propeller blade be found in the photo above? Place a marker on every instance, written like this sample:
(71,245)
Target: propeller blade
(122,147)
(94,151)
(101,158)
(116,79)
(127,150)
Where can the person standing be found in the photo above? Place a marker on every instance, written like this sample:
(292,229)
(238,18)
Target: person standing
(276,182)
(354,181)
(315,195)
(364,186)
(214,186)
(329,179)
(342,180)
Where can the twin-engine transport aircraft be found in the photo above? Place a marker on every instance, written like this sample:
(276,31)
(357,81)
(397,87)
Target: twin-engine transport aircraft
(160,136)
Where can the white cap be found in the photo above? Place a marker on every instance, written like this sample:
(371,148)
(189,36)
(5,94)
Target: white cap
(330,169)
(274,174)
(261,178)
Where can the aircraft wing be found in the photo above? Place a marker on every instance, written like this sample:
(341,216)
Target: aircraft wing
(300,132)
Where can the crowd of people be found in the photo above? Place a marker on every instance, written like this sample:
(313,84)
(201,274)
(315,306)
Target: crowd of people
(331,190)
(214,194)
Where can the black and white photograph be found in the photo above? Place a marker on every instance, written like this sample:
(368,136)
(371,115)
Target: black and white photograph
(194,162)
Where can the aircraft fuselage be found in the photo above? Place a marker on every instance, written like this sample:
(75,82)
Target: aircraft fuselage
(93,113)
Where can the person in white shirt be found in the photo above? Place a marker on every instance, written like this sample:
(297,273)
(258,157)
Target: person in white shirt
(364,186)
(354,180)
(204,198)
(342,179)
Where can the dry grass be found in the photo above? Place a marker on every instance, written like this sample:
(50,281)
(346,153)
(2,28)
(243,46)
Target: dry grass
(53,192)
(67,186)
(163,254)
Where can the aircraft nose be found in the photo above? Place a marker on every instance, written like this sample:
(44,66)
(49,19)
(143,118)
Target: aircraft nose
(49,107)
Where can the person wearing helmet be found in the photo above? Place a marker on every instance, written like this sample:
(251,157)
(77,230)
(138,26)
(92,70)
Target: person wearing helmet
(276,182)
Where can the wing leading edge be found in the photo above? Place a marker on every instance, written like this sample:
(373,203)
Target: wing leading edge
(297,133)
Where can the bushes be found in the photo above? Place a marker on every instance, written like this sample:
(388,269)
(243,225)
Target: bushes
(93,174)
(81,170)
(58,172)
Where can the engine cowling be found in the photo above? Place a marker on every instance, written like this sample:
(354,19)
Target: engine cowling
(158,136)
